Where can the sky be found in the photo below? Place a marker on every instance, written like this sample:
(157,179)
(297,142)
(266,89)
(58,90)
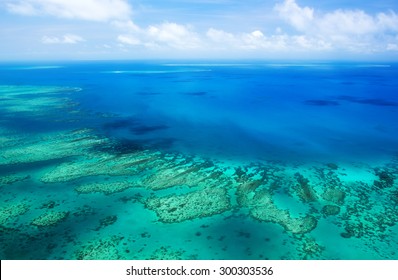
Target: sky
(198,29)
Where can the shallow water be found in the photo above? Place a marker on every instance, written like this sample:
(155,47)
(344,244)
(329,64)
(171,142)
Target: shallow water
(181,160)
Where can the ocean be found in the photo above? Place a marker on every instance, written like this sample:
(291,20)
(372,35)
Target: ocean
(198,160)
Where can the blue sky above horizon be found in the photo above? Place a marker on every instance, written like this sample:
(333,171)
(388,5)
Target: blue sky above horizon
(208,29)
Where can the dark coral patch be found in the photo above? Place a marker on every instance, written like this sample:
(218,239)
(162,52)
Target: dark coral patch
(368,101)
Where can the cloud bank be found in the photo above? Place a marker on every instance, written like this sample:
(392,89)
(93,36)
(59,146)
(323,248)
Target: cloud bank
(296,29)
(353,30)
(165,35)
(308,30)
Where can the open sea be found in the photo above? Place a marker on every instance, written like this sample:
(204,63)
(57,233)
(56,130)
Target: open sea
(193,160)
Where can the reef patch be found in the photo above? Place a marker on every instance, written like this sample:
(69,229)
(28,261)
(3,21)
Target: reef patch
(198,204)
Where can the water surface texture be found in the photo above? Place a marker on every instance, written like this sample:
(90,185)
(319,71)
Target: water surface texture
(151,160)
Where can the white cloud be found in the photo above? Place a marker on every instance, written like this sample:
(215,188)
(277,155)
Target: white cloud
(126,25)
(161,36)
(128,40)
(299,17)
(173,35)
(388,21)
(257,34)
(219,39)
(346,22)
(94,10)
(22,8)
(51,40)
(258,41)
(254,40)
(341,22)
(65,39)
(308,43)
(353,30)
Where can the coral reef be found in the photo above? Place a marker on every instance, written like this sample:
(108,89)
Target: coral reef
(330,210)
(334,195)
(166,177)
(51,147)
(256,185)
(394,197)
(167,253)
(386,179)
(100,165)
(50,218)
(178,208)
(332,166)
(34,100)
(12,211)
(100,249)
(107,221)
(8,138)
(264,209)
(304,190)
(105,188)
(245,191)
(369,216)
(49,205)
(85,210)
(176,188)
(12,178)
(309,249)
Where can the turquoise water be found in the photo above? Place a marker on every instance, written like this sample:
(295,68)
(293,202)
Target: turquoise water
(181,160)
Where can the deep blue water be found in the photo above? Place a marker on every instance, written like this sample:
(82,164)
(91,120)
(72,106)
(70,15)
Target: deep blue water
(323,111)
(116,160)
